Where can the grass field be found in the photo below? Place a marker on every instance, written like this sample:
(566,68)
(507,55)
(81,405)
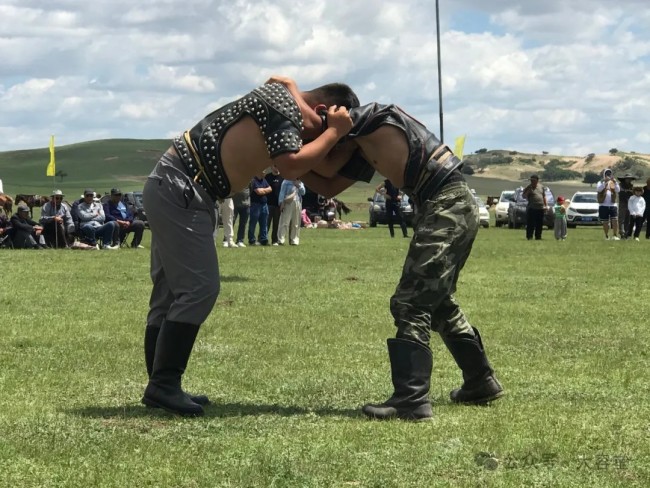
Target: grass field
(296,344)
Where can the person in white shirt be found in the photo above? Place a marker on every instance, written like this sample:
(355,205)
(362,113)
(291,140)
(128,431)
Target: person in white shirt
(608,189)
(636,207)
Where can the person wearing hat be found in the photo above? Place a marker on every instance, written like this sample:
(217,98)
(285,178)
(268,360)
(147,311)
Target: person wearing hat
(56,220)
(624,222)
(636,207)
(116,211)
(92,222)
(535,209)
(607,193)
(26,234)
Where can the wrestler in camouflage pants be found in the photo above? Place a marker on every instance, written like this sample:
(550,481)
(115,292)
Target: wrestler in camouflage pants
(445,229)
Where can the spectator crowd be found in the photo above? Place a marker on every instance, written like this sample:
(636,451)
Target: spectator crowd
(88,223)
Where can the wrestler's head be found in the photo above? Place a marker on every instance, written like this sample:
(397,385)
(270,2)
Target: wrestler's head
(319,100)
(332,94)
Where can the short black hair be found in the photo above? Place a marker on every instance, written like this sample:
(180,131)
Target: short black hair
(333,94)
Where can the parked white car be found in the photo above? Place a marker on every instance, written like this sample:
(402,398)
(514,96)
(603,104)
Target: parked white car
(583,209)
(483,212)
(501,209)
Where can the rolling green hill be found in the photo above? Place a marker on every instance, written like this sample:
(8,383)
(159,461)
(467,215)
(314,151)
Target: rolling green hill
(99,164)
(125,163)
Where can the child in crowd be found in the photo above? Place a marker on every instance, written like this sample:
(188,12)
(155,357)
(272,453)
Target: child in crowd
(560,219)
(636,207)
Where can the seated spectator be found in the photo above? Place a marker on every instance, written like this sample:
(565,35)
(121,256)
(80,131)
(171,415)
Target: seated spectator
(25,233)
(92,222)
(5,228)
(116,211)
(58,228)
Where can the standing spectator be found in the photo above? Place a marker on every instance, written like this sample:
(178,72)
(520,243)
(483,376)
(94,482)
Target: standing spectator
(116,211)
(92,222)
(58,227)
(607,190)
(646,215)
(242,207)
(536,197)
(275,182)
(624,221)
(637,208)
(393,199)
(26,234)
(260,189)
(559,225)
(227,209)
(291,193)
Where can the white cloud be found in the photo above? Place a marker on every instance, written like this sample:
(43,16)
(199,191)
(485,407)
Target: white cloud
(520,75)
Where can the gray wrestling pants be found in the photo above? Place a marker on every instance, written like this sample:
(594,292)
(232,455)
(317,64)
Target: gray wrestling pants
(184,265)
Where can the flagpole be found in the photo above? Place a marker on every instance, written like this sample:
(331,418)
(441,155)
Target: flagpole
(51,170)
(442,133)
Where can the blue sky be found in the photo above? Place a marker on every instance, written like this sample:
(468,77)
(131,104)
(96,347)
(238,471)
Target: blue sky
(564,77)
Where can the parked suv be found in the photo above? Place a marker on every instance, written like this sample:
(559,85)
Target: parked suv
(501,209)
(377,210)
(583,209)
(517,209)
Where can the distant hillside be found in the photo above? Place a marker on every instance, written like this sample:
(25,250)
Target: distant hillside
(100,164)
(125,163)
(516,166)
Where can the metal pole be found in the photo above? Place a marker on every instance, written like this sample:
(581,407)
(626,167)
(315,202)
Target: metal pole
(442,131)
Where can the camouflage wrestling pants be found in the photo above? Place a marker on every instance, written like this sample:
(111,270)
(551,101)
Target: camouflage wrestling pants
(445,229)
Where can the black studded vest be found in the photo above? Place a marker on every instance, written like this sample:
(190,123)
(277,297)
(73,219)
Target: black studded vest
(421,142)
(274,110)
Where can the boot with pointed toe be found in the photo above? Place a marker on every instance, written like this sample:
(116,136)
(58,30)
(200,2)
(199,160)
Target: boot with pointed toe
(150,339)
(480,386)
(173,349)
(411,364)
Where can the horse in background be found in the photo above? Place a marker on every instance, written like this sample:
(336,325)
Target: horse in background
(6,203)
(31,201)
(341,207)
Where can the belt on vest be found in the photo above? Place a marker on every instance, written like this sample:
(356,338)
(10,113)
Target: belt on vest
(197,170)
(435,172)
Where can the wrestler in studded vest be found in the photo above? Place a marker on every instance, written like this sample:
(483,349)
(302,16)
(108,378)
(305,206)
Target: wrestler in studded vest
(274,110)
(430,164)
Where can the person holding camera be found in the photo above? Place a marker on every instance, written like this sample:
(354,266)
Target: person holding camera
(537,205)
(607,191)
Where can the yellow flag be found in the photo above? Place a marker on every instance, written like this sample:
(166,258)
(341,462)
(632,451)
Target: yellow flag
(460,145)
(51,168)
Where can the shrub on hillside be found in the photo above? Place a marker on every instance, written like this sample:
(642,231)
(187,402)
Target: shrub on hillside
(591,177)
(631,165)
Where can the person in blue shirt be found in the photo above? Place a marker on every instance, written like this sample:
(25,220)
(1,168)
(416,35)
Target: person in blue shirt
(116,211)
(260,190)
(290,198)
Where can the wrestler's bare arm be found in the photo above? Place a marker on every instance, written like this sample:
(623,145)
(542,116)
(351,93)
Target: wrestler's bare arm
(328,187)
(336,159)
(294,165)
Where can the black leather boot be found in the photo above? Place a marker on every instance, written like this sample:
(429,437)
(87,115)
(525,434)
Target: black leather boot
(411,364)
(173,349)
(150,339)
(480,386)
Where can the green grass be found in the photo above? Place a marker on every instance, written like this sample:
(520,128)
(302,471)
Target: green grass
(296,344)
